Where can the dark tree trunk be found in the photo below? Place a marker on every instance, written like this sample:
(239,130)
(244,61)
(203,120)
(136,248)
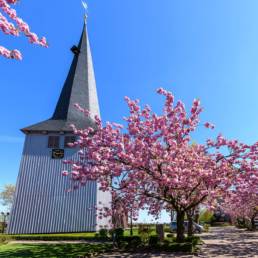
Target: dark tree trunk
(190,224)
(253,226)
(131,225)
(197,215)
(180,226)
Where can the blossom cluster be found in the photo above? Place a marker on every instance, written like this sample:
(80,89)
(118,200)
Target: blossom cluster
(153,163)
(242,200)
(9,28)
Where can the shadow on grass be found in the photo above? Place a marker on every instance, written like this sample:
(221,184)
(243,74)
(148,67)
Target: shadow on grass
(51,250)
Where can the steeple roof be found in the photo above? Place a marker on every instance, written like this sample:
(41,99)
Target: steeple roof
(79,87)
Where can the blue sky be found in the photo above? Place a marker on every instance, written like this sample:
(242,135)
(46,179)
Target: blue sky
(206,49)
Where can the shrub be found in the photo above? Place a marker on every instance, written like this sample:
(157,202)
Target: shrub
(167,229)
(153,240)
(2,227)
(195,240)
(170,235)
(206,216)
(166,241)
(129,242)
(241,223)
(206,227)
(103,233)
(178,247)
(144,229)
(4,239)
(116,234)
(220,224)
(57,237)
(119,232)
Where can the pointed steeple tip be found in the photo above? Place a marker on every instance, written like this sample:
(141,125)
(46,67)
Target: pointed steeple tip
(85,19)
(76,49)
(85,6)
(79,87)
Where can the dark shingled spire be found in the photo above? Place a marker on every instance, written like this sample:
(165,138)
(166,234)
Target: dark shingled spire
(79,87)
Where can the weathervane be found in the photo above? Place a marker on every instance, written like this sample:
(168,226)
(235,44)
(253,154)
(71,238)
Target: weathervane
(85,6)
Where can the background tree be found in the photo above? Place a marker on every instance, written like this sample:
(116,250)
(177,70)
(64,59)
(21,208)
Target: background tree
(154,161)
(7,195)
(8,15)
(206,216)
(241,202)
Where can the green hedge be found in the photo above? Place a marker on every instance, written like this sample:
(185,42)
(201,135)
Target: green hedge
(153,241)
(135,242)
(129,242)
(220,224)
(195,240)
(57,237)
(4,239)
(177,247)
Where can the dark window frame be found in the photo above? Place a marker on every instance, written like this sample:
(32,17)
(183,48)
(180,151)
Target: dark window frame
(69,139)
(53,142)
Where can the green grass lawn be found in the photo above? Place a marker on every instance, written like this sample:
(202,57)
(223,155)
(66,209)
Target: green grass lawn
(136,233)
(51,250)
(127,232)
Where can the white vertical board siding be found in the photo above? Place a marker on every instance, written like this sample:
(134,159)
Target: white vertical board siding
(103,200)
(41,203)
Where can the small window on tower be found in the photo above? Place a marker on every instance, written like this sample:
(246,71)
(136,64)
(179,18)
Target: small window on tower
(53,142)
(69,139)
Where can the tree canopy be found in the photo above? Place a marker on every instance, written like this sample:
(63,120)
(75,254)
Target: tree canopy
(153,164)
(7,195)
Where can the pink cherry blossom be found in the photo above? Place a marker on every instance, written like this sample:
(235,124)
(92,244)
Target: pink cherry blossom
(152,164)
(7,27)
(65,173)
(241,201)
(209,125)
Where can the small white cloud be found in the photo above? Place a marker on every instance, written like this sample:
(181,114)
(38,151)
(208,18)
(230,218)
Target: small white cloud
(11,139)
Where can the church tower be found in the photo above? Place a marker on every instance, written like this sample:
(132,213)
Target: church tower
(42,204)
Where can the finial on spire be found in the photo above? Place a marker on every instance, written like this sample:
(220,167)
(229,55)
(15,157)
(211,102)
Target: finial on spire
(85,6)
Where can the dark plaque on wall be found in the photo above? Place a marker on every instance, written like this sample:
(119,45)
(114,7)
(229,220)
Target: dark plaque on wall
(57,153)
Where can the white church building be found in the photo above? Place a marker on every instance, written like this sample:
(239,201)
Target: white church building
(42,204)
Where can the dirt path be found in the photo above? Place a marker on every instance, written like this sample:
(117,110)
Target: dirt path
(229,242)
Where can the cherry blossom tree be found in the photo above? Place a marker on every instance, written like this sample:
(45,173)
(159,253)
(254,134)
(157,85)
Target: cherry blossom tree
(241,202)
(240,198)
(8,15)
(153,163)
